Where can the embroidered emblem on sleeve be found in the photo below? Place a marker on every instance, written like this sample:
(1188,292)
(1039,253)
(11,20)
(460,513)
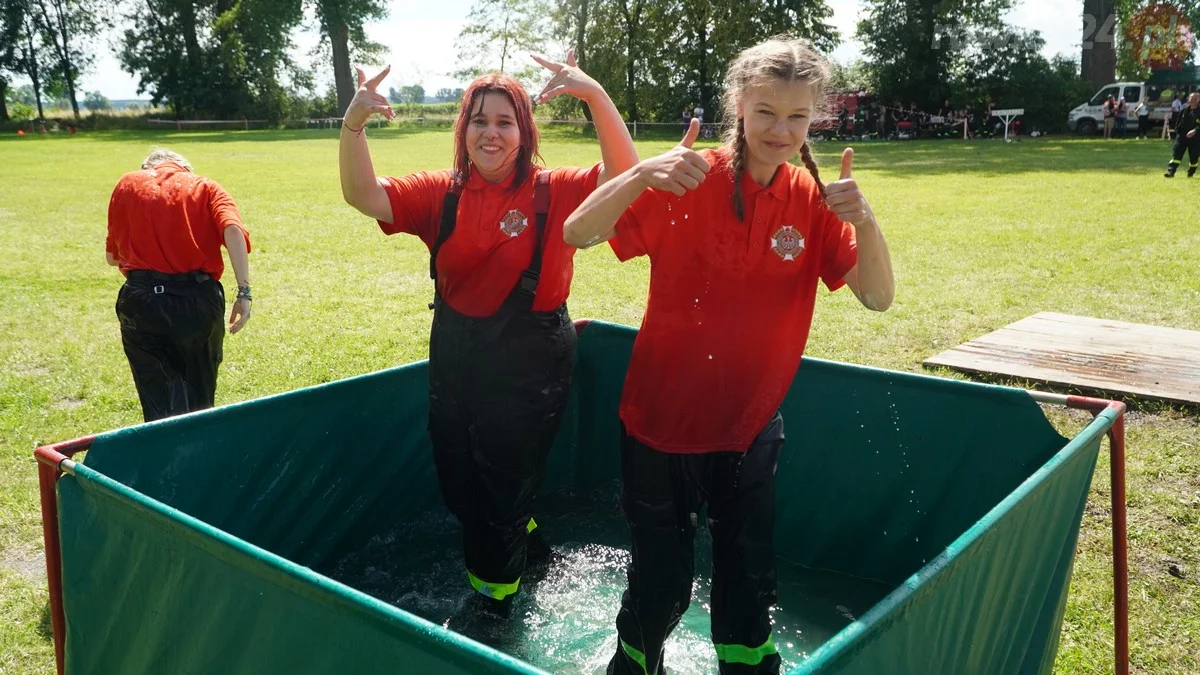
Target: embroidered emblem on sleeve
(787,242)
(513,223)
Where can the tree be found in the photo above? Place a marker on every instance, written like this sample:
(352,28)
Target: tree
(10,31)
(216,57)
(498,36)
(851,77)
(1009,70)
(631,15)
(913,45)
(573,17)
(94,101)
(342,29)
(445,95)
(1098,61)
(67,26)
(412,94)
(31,52)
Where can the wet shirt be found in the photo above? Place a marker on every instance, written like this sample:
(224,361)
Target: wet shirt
(493,239)
(170,220)
(730,303)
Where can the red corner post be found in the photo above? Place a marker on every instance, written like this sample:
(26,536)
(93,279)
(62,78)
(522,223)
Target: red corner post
(52,461)
(1116,438)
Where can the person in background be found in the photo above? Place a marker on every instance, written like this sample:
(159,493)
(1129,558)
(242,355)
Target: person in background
(1121,115)
(1187,137)
(1108,110)
(1143,115)
(166,226)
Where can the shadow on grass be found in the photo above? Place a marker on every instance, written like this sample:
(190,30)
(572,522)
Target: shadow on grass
(45,625)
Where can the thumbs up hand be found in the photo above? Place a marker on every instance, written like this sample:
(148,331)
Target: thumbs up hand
(679,169)
(844,198)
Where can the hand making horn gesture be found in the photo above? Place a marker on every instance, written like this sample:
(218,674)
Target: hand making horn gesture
(844,198)
(567,79)
(367,101)
(679,169)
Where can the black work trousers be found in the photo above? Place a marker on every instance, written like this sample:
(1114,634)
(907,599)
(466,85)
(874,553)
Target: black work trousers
(172,331)
(661,495)
(497,394)
(1189,145)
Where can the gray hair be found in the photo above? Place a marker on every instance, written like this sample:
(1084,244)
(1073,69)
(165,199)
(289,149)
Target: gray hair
(161,155)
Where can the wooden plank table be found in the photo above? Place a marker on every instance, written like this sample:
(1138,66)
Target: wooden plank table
(1087,354)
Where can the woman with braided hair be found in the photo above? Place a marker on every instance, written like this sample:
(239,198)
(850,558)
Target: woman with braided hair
(737,239)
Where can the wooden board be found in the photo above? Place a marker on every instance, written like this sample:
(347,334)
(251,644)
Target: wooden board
(1087,354)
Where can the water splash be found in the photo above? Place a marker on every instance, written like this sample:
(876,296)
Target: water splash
(563,622)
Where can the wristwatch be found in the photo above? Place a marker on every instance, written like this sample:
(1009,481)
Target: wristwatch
(243,293)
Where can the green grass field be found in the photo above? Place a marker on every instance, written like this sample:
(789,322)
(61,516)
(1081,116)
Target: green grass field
(981,234)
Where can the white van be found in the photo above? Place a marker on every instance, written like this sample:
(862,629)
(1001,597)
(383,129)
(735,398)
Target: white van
(1088,118)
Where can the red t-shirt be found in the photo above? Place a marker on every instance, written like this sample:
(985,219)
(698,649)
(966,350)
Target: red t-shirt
(730,303)
(493,239)
(170,220)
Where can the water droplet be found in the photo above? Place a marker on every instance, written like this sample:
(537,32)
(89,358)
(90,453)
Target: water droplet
(672,221)
(710,357)
(918,539)
(885,533)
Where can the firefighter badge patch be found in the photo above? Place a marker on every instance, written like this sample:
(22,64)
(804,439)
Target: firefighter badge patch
(787,242)
(513,223)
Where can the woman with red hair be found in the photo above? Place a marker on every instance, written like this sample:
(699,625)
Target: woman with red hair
(502,344)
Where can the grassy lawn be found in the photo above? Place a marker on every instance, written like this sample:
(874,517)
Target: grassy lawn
(981,234)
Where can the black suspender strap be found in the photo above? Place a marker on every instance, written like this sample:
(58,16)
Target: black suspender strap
(449,217)
(527,285)
(522,295)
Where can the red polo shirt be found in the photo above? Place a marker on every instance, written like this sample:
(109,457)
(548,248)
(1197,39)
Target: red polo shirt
(493,239)
(730,304)
(170,220)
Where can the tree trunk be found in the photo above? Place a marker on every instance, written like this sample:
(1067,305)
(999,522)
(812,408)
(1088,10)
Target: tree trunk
(32,65)
(3,96)
(706,101)
(61,38)
(631,27)
(1098,62)
(191,43)
(344,82)
(68,68)
(581,19)
(504,44)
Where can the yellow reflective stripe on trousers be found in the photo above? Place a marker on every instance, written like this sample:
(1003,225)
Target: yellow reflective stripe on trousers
(531,526)
(634,654)
(493,591)
(751,656)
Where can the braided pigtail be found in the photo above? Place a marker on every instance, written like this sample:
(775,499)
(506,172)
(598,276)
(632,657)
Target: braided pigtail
(811,164)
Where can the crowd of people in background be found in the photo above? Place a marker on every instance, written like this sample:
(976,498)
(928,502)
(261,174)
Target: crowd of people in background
(863,116)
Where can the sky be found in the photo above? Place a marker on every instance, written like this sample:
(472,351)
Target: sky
(420,37)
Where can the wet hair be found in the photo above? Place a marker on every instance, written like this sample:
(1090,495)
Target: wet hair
(163,155)
(472,103)
(779,59)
